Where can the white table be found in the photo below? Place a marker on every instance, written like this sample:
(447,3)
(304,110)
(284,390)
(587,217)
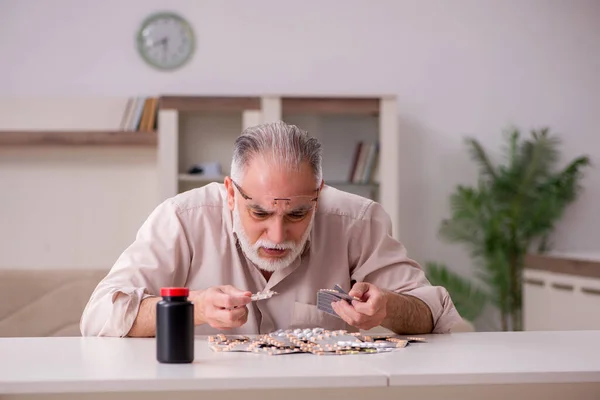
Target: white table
(461,365)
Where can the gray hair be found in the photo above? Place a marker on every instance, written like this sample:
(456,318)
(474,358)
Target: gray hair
(286,145)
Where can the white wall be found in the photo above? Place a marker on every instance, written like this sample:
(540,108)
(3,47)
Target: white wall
(462,67)
(70,207)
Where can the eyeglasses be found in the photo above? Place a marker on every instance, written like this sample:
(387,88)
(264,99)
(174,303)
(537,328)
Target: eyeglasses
(295,208)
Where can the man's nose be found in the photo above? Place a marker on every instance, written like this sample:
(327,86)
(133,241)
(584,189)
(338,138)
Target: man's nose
(276,231)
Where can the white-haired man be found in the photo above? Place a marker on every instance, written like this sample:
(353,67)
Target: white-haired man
(273,224)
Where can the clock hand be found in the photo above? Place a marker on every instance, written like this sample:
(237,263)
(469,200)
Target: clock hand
(166,47)
(160,42)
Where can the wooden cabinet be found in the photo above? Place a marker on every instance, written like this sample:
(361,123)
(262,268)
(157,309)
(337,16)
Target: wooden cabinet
(561,293)
(196,130)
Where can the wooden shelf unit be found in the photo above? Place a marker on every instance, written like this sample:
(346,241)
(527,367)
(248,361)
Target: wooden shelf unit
(199,129)
(78,138)
(194,129)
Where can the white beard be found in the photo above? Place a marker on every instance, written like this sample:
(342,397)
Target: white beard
(269,264)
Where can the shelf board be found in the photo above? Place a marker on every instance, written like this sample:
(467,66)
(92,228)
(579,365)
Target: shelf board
(200,178)
(78,138)
(292,105)
(209,103)
(330,105)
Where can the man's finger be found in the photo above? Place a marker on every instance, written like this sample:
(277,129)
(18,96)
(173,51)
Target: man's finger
(367,308)
(228,289)
(348,313)
(341,313)
(359,289)
(354,318)
(235,317)
(223,300)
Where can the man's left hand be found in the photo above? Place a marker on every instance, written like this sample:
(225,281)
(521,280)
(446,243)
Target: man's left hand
(367,313)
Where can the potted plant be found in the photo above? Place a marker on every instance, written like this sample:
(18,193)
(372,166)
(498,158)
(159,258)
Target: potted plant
(511,210)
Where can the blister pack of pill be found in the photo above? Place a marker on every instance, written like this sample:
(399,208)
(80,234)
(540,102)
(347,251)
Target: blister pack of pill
(327,296)
(317,341)
(267,294)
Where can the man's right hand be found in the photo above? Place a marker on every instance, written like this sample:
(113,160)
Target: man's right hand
(222,307)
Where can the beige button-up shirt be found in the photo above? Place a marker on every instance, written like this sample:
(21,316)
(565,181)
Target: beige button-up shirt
(189,241)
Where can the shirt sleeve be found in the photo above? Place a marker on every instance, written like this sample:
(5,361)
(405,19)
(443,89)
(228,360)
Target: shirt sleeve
(380,259)
(159,256)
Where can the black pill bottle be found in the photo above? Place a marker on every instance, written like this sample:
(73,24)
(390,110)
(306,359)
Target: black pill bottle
(174,326)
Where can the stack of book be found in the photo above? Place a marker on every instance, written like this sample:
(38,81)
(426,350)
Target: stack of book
(140,114)
(365,163)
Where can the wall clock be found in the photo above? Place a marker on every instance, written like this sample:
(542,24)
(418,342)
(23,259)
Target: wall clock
(165,41)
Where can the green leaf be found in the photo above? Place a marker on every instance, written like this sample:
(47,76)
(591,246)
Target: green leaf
(513,148)
(513,206)
(479,155)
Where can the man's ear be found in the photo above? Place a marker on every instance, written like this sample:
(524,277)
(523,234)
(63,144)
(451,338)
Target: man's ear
(320,188)
(230,193)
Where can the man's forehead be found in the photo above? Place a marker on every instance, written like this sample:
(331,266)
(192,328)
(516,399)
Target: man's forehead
(272,180)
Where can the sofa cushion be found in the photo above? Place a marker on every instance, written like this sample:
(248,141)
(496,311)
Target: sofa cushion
(45,302)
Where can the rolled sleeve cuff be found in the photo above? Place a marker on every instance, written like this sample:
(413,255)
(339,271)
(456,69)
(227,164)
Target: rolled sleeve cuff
(444,313)
(125,306)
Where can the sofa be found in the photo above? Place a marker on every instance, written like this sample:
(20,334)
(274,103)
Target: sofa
(49,302)
(44,302)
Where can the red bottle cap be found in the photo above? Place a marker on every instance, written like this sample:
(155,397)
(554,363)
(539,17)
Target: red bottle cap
(174,292)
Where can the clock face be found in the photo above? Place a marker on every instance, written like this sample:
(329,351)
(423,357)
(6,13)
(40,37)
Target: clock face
(165,41)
